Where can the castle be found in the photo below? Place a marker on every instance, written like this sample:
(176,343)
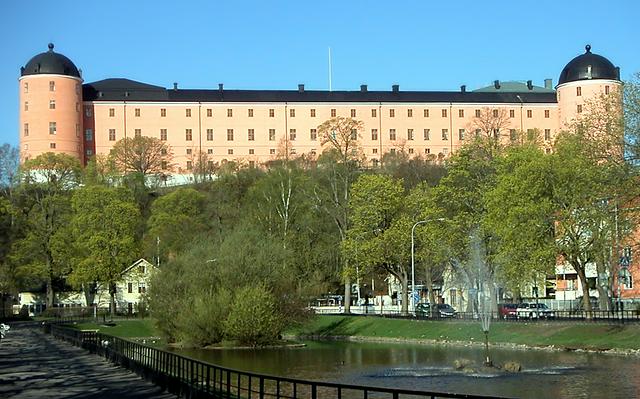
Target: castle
(60,113)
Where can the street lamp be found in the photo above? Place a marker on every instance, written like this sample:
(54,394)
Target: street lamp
(413,264)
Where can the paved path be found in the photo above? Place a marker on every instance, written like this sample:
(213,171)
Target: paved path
(35,365)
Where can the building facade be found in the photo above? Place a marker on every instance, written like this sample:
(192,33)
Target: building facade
(62,114)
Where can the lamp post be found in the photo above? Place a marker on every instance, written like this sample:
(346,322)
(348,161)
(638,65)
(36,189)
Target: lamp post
(413,265)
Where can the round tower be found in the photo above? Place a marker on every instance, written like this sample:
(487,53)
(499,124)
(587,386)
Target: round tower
(585,77)
(50,106)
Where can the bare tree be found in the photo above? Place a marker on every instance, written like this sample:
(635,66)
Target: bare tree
(342,134)
(489,127)
(143,155)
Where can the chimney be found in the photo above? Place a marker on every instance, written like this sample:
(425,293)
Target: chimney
(548,84)
(363,88)
(220,86)
(529,84)
(175,85)
(496,84)
(463,88)
(395,88)
(300,88)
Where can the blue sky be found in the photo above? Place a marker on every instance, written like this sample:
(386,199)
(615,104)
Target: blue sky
(420,45)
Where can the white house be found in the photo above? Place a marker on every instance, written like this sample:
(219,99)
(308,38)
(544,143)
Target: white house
(130,289)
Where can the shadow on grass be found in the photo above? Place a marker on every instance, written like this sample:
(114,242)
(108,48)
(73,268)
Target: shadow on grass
(343,326)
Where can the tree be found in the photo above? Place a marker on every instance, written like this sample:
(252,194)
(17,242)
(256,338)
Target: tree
(377,240)
(489,127)
(143,155)
(104,224)
(342,135)
(631,107)
(9,162)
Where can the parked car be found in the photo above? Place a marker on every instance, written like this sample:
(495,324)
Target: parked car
(446,310)
(595,304)
(442,309)
(508,310)
(423,310)
(534,311)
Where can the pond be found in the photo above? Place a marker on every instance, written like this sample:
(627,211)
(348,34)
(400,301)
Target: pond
(545,374)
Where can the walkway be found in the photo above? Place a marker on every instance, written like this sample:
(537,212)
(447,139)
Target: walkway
(35,365)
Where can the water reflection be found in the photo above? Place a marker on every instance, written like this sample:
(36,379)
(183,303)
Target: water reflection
(544,375)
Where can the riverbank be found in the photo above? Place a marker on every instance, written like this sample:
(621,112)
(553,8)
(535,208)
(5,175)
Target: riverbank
(619,339)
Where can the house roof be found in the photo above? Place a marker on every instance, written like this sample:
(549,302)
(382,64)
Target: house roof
(129,90)
(137,263)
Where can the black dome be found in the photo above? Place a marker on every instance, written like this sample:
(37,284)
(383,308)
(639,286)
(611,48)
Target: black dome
(588,66)
(50,62)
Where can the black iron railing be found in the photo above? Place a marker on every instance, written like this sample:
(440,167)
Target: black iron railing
(192,378)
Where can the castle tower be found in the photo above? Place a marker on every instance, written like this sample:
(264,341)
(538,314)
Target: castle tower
(50,106)
(583,78)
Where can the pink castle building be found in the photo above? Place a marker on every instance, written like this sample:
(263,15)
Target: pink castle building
(60,113)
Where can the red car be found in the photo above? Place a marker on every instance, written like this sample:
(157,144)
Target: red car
(508,310)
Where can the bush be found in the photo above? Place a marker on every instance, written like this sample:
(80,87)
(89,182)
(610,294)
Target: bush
(201,324)
(253,319)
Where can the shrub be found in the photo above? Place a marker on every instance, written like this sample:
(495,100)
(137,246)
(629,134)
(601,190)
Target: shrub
(254,319)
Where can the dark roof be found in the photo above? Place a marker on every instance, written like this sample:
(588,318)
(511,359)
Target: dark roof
(588,66)
(128,90)
(50,62)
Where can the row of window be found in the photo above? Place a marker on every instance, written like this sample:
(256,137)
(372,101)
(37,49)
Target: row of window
(53,129)
(313,134)
(137,112)
(52,105)
(52,86)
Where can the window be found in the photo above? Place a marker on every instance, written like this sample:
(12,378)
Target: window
(313,134)
(210,165)
(189,151)
(292,134)
(188,134)
(445,134)
(409,134)
(547,134)
(88,112)
(512,134)
(293,151)
(409,113)
(426,134)
(112,134)
(546,113)
(250,112)
(26,87)
(164,165)
(52,104)
(88,135)
(52,85)
(460,113)
(251,151)
(606,90)
(229,134)
(374,134)
(374,151)
(478,131)
(89,152)
(137,132)
(26,129)
(230,151)
(209,150)
(333,112)
(425,113)
(461,134)
(626,278)
(163,134)
(163,151)
(374,112)
(209,112)
(163,112)
(312,112)
(189,165)
(251,135)
(187,112)
(52,146)
(477,113)
(209,134)
(272,112)
(272,151)
(112,112)
(427,150)
(353,113)
(292,113)
(512,113)
(26,105)
(445,150)
(529,113)
(495,113)
(452,298)
(410,150)
(354,134)
(272,134)
(578,91)
(496,133)
(52,128)
(77,130)
(444,113)
(130,288)
(136,112)
(392,134)
(392,113)
(579,108)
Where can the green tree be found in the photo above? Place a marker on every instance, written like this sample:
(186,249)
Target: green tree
(104,224)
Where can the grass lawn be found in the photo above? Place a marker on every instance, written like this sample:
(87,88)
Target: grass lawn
(565,335)
(139,328)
